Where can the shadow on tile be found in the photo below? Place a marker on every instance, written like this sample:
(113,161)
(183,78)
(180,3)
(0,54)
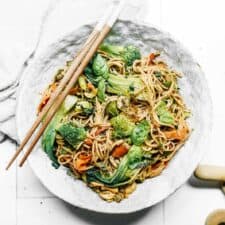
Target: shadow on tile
(107,219)
(194,182)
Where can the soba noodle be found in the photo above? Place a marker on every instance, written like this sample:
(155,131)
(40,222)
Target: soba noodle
(97,150)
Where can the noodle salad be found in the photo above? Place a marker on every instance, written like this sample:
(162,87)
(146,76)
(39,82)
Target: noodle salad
(121,123)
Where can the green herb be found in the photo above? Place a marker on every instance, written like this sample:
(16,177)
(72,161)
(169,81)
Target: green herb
(140,133)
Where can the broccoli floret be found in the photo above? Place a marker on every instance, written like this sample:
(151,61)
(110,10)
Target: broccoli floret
(140,132)
(48,138)
(122,126)
(73,135)
(100,67)
(127,53)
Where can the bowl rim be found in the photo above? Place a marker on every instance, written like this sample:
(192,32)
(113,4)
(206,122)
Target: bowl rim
(86,207)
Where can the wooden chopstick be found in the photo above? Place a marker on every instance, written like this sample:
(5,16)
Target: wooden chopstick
(66,91)
(81,54)
(89,50)
(106,28)
(54,96)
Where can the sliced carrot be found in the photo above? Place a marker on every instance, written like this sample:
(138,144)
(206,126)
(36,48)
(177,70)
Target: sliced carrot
(100,130)
(73,91)
(179,134)
(81,163)
(46,96)
(88,141)
(90,86)
(120,151)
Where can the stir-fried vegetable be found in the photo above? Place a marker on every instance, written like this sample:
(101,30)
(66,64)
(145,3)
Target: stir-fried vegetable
(112,109)
(101,91)
(127,170)
(164,115)
(72,134)
(140,133)
(100,67)
(84,107)
(46,96)
(82,161)
(121,85)
(48,138)
(122,126)
(178,134)
(120,151)
(82,83)
(128,53)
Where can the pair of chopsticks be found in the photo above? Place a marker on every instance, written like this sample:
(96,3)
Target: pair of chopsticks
(78,65)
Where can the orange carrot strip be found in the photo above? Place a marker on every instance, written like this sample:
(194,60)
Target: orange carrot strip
(88,141)
(179,134)
(46,96)
(100,130)
(119,151)
(81,163)
(73,91)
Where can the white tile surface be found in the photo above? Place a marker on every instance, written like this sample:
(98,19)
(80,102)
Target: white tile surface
(28,25)
(53,211)
(8,185)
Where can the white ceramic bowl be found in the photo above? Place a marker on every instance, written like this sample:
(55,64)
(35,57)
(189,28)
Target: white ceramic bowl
(193,88)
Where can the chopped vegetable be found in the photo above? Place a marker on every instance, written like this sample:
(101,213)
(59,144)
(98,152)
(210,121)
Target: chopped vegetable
(122,126)
(84,107)
(178,134)
(46,96)
(100,67)
(120,151)
(48,138)
(82,83)
(112,109)
(128,53)
(100,130)
(101,91)
(73,135)
(121,85)
(73,90)
(128,168)
(92,91)
(88,141)
(140,133)
(82,161)
(164,115)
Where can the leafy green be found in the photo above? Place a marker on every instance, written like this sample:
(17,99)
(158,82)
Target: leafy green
(82,83)
(122,126)
(140,133)
(127,53)
(89,73)
(73,135)
(48,138)
(164,115)
(111,109)
(121,85)
(101,90)
(127,170)
(100,67)
(84,107)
